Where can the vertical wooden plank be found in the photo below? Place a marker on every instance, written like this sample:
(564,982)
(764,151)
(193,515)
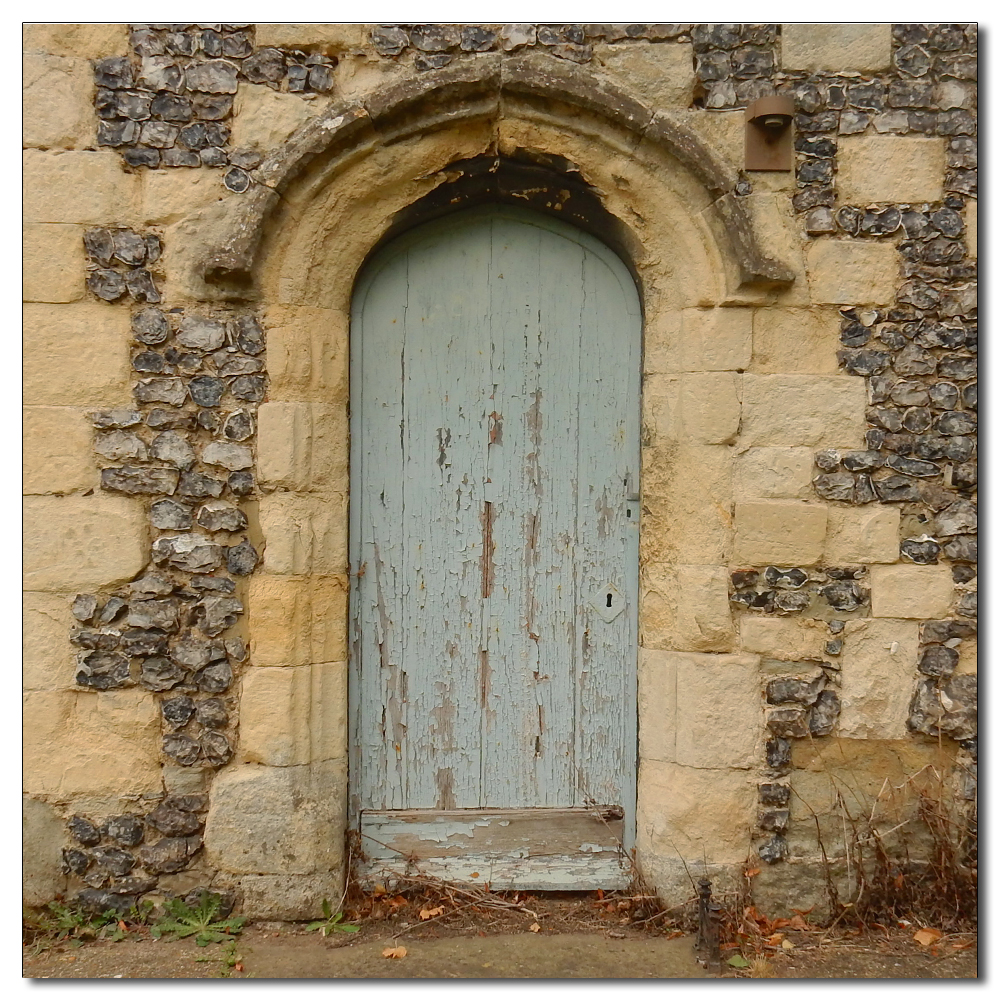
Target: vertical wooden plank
(446,359)
(377,542)
(535,319)
(608,461)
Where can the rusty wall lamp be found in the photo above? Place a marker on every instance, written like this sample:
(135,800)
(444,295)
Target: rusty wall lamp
(769,133)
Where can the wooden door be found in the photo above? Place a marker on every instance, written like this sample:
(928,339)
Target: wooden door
(494,551)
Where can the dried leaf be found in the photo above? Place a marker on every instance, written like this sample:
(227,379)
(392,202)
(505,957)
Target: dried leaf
(738,962)
(774,940)
(926,936)
(427,914)
(962,944)
(803,913)
(474,875)
(798,923)
(751,872)
(787,945)
(239,966)
(535,928)
(399,952)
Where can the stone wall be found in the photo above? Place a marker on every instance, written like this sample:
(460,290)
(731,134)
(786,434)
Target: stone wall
(808,533)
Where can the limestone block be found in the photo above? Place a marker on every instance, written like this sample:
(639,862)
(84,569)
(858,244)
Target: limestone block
(76,355)
(724,132)
(710,407)
(779,473)
(660,75)
(878,778)
(811,411)
(862,535)
(715,339)
(277,820)
(694,408)
(48,660)
(57,450)
(329,38)
(289,897)
(780,532)
(42,835)
(695,812)
(889,168)
(302,446)
(687,699)
(972,227)
(58,102)
(82,543)
(783,638)
(307,353)
(686,607)
(294,715)
(774,221)
(88,40)
(968,657)
(844,46)
(657,697)
(54,266)
(263,118)
(843,272)
(304,534)
(878,666)
(87,743)
(904,591)
(686,493)
(85,187)
(297,620)
(795,341)
(170,195)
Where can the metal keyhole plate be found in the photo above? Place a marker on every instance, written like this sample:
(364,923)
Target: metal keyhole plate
(609,602)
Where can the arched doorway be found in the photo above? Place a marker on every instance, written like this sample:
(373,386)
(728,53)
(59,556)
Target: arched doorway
(495,366)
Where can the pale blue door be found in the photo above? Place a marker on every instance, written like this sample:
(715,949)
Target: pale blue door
(494,550)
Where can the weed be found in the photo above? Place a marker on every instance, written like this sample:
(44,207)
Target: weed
(183,921)
(332,922)
(69,925)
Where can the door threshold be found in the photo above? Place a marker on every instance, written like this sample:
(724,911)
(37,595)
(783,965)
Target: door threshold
(532,849)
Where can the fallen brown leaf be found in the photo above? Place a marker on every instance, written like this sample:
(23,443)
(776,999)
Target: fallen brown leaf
(427,914)
(751,872)
(962,944)
(398,952)
(535,928)
(239,966)
(926,936)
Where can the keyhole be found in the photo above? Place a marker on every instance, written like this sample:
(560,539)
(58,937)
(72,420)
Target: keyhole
(609,600)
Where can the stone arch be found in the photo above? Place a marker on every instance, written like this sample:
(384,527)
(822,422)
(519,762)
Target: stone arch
(484,88)
(293,246)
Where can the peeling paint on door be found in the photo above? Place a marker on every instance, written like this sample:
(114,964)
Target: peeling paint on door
(495,382)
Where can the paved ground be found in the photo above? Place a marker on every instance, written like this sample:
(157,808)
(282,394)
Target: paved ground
(290,953)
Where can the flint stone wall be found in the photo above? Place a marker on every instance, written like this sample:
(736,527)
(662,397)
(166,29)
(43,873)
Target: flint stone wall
(809,487)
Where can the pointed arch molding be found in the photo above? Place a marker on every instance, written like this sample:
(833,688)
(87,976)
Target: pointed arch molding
(475,89)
